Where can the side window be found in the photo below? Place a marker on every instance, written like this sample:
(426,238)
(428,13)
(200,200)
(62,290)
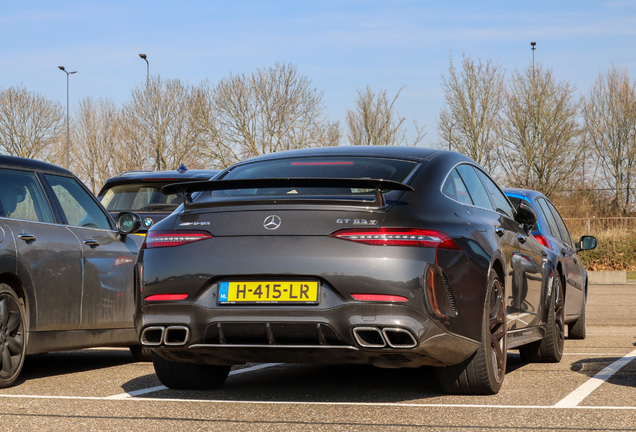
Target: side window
(475,187)
(22,197)
(501,203)
(78,206)
(564,231)
(547,215)
(455,188)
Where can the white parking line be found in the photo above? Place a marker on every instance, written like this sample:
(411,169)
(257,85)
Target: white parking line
(576,397)
(159,388)
(305,403)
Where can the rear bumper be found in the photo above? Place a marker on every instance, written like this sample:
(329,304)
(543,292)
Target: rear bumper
(405,337)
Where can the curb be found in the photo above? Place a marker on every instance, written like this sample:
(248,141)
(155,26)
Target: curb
(606,277)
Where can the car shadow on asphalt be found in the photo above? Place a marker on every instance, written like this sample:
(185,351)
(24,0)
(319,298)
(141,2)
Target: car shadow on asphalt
(70,362)
(625,376)
(318,383)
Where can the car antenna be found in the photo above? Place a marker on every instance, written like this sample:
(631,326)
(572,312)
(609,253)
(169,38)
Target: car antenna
(182,168)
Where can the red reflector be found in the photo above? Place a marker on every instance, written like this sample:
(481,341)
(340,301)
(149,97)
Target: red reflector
(379,297)
(156,239)
(164,297)
(322,163)
(541,239)
(399,237)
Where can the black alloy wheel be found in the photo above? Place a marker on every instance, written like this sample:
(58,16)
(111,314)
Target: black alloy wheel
(12,336)
(550,348)
(484,372)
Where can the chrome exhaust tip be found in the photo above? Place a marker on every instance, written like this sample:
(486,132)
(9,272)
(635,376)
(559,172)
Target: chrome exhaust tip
(152,336)
(369,337)
(176,335)
(399,338)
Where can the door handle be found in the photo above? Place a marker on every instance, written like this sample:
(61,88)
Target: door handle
(521,238)
(26,237)
(91,242)
(499,231)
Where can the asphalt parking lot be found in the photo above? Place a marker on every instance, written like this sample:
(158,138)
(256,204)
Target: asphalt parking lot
(593,388)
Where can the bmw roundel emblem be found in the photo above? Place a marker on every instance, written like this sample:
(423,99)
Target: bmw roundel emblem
(272,222)
(147,222)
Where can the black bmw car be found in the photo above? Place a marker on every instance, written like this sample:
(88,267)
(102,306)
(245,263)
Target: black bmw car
(140,192)
(391,256)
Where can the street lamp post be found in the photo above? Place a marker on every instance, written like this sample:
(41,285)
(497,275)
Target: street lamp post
(534,47)
(68,153)
(144,57)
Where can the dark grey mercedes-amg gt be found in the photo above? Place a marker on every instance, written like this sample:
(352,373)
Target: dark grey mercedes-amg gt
(391,256)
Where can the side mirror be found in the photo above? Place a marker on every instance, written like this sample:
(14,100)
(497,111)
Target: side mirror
(526,214)
(128,223)
(586,243)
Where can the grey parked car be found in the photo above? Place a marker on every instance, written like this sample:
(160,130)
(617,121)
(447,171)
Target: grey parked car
(66,271)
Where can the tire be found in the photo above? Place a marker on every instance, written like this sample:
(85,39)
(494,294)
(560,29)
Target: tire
(141,353)
(484,372)
(12,336)
(576,330)
(550,348)
(189,376)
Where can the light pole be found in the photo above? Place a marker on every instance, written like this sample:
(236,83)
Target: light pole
(68,157)
(145,58)
(534,47)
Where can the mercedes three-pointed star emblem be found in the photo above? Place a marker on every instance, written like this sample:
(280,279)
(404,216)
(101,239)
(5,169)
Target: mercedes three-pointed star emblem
(272,222)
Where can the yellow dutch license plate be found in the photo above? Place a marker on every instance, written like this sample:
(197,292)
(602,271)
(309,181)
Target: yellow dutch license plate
(276,292)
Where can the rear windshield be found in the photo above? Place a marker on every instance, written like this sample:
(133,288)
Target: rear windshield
(332,167)
(139,197)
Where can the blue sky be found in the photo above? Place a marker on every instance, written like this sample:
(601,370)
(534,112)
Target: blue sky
(340,45)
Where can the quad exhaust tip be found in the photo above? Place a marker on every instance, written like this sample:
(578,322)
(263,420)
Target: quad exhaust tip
(170,336)
(176,335)
(152,336)
(394,337)
(369,337)
(398,338)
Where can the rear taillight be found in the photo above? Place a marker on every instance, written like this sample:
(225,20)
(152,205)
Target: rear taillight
(399,237)
(541,239)
(156,239)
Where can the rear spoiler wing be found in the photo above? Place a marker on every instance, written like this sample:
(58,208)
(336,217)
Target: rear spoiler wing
(187,188)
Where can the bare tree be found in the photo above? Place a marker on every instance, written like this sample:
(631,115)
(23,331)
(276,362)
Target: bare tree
(161,111)
(541,138)
(376,122)
(469,120)
(100,149)
(271,110)
(609,113)
(30,124)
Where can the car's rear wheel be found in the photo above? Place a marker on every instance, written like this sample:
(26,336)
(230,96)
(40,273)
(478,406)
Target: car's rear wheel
(484,372)
(576,330)
(12,336)
(189,376)
(141,353)
(550,348)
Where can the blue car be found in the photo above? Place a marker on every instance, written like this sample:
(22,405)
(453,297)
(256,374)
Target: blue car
(550,230)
